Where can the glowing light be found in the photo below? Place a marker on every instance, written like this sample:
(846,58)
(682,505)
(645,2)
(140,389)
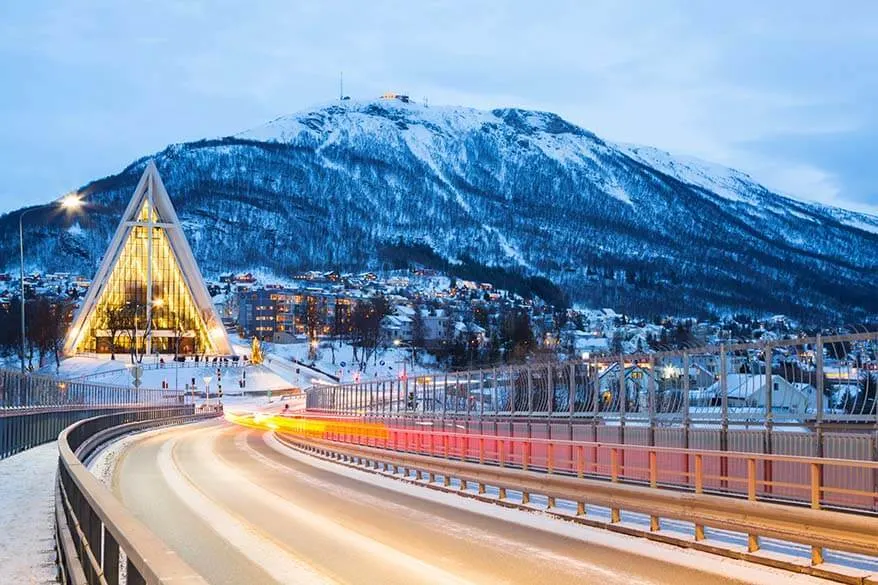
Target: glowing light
(171,292)
(306,426)
(71,202)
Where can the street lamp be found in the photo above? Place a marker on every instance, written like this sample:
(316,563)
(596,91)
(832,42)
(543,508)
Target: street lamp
(70,202)
(207,380)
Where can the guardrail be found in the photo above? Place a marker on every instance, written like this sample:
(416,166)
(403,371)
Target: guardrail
(815,528)
(93,529)
(34,409)
(96,375)
(23,428)
(818,482)
(19,390)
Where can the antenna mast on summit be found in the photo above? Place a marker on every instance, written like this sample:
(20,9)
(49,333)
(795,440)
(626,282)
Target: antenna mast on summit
(341,85)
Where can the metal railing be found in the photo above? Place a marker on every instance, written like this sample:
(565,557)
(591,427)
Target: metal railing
(819,529)
(35,409)
(188,361)
(818,482)
(22,430)
(98,375)
(93,530)
(806,380)
(19,391)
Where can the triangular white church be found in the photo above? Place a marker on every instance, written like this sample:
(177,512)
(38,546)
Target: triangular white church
(148,290)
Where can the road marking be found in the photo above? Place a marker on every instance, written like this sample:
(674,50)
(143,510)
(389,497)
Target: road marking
(345,537)
(688,558)
(449,528)
(263,552)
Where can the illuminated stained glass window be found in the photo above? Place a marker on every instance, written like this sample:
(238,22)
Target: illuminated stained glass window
(177,325)
(148,292)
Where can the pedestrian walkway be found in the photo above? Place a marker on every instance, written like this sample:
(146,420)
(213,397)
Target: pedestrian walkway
(27,554)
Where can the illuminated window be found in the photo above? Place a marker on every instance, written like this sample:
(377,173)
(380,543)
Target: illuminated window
(168,316)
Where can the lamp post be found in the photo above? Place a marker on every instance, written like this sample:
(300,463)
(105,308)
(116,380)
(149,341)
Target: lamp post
(398,343)
(207,380)
(70,202)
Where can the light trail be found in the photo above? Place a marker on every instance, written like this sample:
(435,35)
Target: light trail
(310,426)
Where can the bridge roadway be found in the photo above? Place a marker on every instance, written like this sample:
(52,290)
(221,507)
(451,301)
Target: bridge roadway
(241,508)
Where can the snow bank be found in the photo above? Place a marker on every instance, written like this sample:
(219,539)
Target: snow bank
(26,516)
(392,358)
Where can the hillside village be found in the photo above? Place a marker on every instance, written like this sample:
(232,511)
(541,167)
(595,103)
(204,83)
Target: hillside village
(452,323)
(352,327)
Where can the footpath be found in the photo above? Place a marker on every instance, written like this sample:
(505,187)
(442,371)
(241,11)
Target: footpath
(27,553)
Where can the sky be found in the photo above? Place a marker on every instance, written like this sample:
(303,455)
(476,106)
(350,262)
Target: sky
(783,90)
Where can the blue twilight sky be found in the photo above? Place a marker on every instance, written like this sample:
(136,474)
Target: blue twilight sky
(785,90)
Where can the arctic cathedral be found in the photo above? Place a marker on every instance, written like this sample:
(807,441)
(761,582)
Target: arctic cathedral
(148,291)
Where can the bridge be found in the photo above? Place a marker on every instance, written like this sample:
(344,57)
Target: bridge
(682,466)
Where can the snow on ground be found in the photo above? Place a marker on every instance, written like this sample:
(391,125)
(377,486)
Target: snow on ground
(103,370)
(725,182)
(386,363)
(27,555)
(103,464)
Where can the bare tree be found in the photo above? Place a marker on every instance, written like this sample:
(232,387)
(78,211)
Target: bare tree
(418,332)
(60,315)
(366,325)
(112,319)
(135,321)
(38,326)
(341,317)
(314,309)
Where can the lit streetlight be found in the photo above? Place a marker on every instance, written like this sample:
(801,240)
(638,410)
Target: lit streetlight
(70,202)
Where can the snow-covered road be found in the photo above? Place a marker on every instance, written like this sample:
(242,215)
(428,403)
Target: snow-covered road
(241,508)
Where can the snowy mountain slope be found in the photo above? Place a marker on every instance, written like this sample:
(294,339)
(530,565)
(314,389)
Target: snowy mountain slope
(725,182)
(613,225)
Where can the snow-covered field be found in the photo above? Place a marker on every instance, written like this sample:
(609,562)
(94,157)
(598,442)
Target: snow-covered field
(103,370)
(386,363)
(27,553)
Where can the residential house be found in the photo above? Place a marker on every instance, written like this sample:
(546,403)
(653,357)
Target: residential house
(749,390)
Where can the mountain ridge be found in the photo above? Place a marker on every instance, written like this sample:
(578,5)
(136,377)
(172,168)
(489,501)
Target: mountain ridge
(618,225)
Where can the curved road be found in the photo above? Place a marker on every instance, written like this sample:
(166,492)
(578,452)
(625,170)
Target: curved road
(242,509)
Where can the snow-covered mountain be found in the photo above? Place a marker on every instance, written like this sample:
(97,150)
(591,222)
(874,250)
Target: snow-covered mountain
(355,185)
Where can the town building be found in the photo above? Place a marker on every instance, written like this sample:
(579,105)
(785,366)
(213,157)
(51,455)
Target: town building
(282,315)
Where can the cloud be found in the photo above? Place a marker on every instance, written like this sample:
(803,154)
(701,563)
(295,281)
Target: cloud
(739,84)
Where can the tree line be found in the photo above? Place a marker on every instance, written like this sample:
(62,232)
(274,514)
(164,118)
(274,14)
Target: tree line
(46,319)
